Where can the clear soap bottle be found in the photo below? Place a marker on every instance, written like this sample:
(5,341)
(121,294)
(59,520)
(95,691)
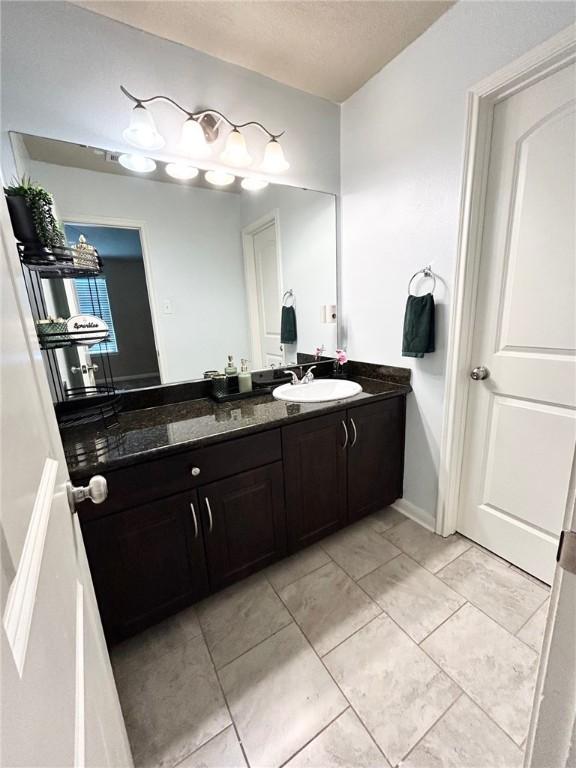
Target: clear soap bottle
(244,377)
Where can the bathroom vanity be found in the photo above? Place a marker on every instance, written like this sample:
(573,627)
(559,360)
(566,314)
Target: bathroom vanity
(202,494)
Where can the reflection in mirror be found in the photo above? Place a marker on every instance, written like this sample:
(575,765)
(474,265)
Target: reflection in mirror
(192,273)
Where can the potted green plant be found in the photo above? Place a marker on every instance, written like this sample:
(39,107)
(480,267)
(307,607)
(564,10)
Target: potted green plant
(31,214)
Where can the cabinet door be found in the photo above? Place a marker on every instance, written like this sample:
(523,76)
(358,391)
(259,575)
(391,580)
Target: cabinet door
(375,456)
(146,562)
(315,478)
(244,523)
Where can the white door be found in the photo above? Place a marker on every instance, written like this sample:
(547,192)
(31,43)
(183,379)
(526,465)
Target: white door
(59,703)
(265,296)
(521,421)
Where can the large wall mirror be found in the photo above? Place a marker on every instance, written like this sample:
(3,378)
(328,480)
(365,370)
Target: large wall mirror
(192,273)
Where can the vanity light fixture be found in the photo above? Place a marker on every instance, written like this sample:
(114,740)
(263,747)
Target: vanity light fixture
(235,152)
(252,184)
(193,140)
(137,163)
(274,160)
(181,171)
(142,132)
(219,178)
(199,131)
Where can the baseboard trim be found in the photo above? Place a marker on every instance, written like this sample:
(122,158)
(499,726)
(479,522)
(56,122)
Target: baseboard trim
(419,515)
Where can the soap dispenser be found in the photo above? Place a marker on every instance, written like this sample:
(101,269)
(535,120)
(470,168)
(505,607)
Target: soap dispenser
(230,369)
(244,377)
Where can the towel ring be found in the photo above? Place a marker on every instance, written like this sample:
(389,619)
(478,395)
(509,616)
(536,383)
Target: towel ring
(289,294)
(427,272)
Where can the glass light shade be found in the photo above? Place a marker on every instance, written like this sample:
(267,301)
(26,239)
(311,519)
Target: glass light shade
(274,160)
(219,178)
(181,171)
(252,184)
(193,141)
(137,163)
(142,130)
(235,152)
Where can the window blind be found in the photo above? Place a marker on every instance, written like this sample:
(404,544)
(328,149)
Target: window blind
(93,299)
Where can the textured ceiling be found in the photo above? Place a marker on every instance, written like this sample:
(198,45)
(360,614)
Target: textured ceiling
(329,48)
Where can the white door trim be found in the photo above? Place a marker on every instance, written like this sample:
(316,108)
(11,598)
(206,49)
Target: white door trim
(555,53)
(248,232)
(110,221)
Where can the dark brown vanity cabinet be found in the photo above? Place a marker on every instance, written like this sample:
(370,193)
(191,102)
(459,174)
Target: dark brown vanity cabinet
(244,523)
(147,563)
(341,467)
(375,456)
(315,476)
(176,528)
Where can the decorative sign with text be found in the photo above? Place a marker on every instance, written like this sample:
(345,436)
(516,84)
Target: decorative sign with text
(87,329)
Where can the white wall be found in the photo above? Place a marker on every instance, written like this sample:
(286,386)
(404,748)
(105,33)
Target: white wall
(62,68)
(307,223)
(402,151)
(192,241)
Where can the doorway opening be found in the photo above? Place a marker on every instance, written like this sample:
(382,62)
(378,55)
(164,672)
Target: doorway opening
(124,301)
(263,270)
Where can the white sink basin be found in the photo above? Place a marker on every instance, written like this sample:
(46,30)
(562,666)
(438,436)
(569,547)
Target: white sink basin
(318,391)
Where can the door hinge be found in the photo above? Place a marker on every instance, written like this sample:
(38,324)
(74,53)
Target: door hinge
(566,555)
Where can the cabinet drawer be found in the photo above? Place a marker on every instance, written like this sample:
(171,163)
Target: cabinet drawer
(154,479)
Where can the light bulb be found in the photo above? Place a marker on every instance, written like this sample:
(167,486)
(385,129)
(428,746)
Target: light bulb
(219,178)
(181,171)
(235,152)
(142,132)
(274,160)
(193,141)
(137,163)
(253,184)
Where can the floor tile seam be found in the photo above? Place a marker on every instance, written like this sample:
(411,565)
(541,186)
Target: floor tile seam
(339,688)
(303,747)
(252,647)
(290,583)
(232,721)
(507,567)
(422,565)
(434,724)
(470,696)
(211,739)
(531,617)
(419,565)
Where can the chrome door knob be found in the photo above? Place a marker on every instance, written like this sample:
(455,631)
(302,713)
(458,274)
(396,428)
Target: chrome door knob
(479,373)
(195,471)
(96,491)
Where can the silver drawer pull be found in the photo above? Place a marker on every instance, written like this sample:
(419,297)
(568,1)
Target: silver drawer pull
(195,471)
(355,438)
(211,522)
(345,434)
(195,521)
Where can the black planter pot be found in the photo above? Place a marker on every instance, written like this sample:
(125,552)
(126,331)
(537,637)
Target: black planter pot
(22,220)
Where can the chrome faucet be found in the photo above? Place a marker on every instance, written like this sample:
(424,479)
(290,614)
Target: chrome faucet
(306,379)
(308,376)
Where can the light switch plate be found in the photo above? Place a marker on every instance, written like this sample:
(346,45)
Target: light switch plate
(167,307)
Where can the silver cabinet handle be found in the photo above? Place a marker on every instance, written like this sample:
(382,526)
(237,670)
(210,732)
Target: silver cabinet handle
(345,433)
(355,438)
(195,521)
(195,471)
(479,373)
(211,522)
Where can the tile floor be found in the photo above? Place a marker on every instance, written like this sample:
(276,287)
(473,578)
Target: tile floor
(382,645)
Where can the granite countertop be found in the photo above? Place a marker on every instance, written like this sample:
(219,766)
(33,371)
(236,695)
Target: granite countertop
(158,431)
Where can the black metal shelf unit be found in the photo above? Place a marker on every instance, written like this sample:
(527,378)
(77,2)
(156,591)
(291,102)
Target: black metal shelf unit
(74,406)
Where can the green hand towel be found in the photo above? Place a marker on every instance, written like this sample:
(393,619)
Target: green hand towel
(288,326)
(418,336)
